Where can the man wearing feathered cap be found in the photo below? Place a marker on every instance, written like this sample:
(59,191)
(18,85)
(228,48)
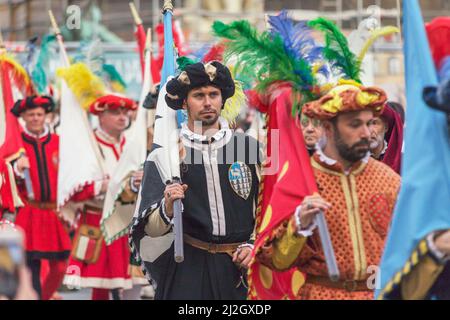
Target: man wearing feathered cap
(218,191)
(356,193)
(46,236)
(110,270)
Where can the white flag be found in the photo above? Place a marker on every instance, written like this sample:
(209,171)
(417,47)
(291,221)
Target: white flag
(117,217)
(79,164)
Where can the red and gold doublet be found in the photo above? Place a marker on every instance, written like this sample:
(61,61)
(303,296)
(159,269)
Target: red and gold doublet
(46,237)
(362,202)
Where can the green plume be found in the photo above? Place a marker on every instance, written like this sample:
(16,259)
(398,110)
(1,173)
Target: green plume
(183,62)
(337,50)
(39,73)
(263,58)
(114,76)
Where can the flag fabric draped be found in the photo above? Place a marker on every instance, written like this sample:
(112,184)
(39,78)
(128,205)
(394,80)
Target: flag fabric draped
(79,161)
(424,200)
(116,216)
(280,195)
(162,165)
(155,64)
(11,145)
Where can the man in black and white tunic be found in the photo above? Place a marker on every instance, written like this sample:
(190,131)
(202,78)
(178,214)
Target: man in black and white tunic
(219,188)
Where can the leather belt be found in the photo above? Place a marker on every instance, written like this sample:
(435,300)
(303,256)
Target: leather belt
(42,205)
(211,247)
(347,285)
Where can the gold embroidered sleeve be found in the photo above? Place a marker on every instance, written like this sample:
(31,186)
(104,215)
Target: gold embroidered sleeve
(417,284)
(287,248)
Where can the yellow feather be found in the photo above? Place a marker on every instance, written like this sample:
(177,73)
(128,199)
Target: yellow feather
(375,34)
(19,75)
(234,105)
(85,85)
(117,87)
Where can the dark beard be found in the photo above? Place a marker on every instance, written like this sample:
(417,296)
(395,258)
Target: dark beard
(211,121)
(350,153)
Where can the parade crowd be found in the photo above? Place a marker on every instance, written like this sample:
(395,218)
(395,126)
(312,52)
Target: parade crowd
(247,147)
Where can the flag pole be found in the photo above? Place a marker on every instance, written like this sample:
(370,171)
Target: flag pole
(148,43)
(59,38)
(62,48)
(177,214)
(136,17)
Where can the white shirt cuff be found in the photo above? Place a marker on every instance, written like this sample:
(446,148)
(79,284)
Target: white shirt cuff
(21,175)
(132,187)
(162,210)
(300,231)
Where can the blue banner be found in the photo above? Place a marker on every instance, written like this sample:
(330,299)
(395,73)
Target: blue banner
(424,201)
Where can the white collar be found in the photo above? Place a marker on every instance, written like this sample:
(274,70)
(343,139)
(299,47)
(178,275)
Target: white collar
(199,138)
(108,138)
(385,148)
(46,132)
(331,162)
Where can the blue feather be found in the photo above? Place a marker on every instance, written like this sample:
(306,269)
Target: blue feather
(200,53)
(297,38)
(31,48)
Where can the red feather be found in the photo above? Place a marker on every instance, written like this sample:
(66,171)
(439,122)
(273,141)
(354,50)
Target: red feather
(215,53)
(438,32)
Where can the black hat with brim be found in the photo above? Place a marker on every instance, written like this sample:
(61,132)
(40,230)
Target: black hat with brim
(33,102)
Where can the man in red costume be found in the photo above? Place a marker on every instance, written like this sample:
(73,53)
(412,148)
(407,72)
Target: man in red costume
(110,270)
(46,236)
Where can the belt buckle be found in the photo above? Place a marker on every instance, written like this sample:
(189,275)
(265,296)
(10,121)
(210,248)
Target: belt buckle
(350,285)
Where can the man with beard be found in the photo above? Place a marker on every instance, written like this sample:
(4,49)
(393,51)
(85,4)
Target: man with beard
(218,192)
(356,193)
(312,132)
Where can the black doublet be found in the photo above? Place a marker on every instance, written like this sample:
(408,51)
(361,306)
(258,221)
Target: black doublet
(213,211)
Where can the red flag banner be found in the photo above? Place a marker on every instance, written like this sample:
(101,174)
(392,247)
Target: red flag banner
(280,194)
(12,146)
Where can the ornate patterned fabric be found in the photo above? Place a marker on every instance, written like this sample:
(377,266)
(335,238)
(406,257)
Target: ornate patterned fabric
(362,204)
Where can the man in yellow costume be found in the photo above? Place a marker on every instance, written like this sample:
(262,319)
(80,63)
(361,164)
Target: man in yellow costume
(356,193)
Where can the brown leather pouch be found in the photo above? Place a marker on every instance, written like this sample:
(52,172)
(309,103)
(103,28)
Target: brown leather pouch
(87,244)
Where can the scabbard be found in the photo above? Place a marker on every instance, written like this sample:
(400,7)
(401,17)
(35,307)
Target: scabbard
(178,231)
(28,185)
(330,258)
